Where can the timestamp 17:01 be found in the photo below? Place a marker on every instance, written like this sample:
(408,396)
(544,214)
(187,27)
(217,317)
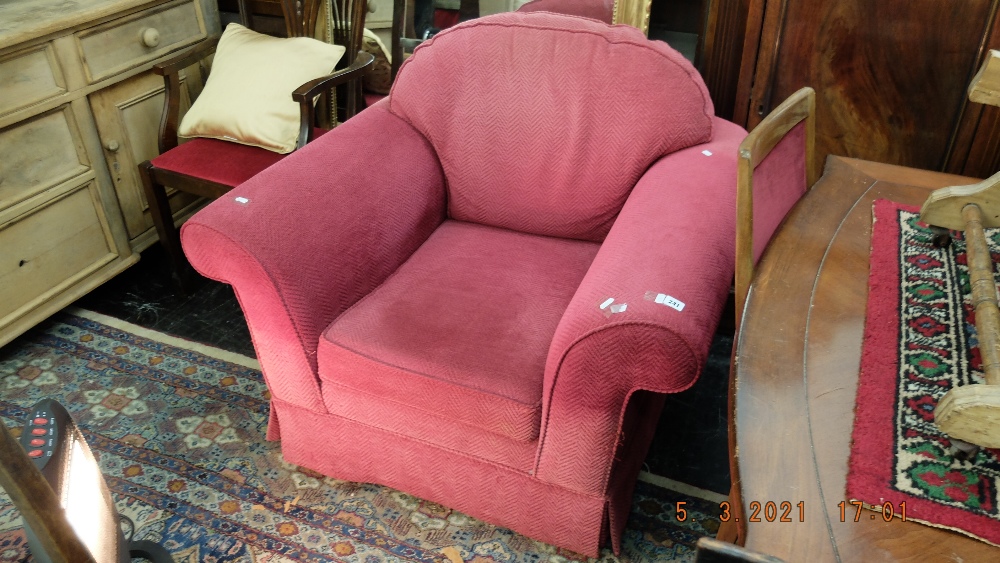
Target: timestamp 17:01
(888,511)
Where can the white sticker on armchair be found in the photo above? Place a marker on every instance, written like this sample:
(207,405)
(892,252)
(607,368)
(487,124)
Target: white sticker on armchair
(610,307)
(664,299)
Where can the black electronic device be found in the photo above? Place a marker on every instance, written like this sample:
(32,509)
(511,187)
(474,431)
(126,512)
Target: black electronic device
(58,449)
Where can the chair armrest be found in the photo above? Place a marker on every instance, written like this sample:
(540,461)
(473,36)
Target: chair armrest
(306,94)
(309,236)
(169,70)
(187,58)
(675,236)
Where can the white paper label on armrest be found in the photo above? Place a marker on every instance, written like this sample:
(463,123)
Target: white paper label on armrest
(241,200)
(673,302)
(664,299)
(610,309)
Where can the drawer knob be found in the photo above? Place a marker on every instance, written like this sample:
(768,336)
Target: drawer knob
(112,145)
(149,36)
(371,8)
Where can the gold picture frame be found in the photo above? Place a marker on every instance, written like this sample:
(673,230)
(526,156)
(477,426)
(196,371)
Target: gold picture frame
(634,13)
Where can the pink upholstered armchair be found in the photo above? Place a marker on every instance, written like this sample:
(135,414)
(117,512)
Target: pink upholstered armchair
(475,290)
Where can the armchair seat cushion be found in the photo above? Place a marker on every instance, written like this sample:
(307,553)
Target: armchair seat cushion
(222,162)
(461,330)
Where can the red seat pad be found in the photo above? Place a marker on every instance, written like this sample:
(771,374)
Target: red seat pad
(222,162)
(461,330)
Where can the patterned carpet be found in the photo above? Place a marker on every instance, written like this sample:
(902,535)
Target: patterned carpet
(920,341)
(179,432)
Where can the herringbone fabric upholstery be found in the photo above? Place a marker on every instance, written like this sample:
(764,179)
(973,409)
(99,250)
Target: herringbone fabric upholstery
(487,302)
(675,236)
(475,360)
(600,10)
(529,139)
(329,197)
(780,180)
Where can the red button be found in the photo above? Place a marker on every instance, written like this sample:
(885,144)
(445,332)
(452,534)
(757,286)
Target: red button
(35,453)
(40,421)
(38,431)
(37,442)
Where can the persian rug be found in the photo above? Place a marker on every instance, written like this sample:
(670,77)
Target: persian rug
(179,433)
(920,341)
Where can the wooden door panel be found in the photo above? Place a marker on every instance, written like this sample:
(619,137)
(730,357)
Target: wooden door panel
(890,76)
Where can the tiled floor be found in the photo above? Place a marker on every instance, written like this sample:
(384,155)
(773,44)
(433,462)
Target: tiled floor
(690,444)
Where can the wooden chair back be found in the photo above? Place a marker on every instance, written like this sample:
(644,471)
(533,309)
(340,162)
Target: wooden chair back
(799,107)
(344,25)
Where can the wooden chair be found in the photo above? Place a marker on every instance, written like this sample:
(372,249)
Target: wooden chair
(776,160)
(346,26)
(798,108)
(195,169)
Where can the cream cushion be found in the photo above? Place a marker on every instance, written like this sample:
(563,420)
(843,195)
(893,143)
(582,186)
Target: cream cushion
(248,96)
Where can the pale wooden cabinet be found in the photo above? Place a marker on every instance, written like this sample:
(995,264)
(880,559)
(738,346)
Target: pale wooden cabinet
(125,114)
(79,109)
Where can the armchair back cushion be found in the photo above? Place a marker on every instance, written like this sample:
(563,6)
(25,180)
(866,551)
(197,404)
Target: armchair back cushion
(525,140)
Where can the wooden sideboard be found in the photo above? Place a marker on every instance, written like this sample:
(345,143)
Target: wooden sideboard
(79,109)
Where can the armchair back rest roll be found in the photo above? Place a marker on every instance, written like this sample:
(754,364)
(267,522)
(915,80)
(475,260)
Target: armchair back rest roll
(601,10)
(543,122)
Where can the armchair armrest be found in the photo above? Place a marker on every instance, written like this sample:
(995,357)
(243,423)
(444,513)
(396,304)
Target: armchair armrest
(306,238)
(674,237)
(170,71)
(306,94)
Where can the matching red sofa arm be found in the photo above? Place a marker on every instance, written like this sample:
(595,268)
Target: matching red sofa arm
(306,238)
(674,237)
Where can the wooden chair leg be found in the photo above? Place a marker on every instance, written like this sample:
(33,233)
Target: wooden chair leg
(170,237)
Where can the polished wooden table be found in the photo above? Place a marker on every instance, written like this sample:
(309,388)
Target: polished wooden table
(797,373)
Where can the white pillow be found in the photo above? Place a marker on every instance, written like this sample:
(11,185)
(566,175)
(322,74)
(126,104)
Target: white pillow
(248,96)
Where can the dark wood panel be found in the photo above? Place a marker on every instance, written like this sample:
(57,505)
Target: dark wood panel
(722,51)
(975,150)
(983,156)
(890,76)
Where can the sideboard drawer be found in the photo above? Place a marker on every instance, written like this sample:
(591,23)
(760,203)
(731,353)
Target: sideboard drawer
(131,41)
(51,248)
(39,153)
(28,77)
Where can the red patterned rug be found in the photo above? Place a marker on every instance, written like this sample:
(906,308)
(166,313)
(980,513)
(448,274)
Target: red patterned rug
(920,341)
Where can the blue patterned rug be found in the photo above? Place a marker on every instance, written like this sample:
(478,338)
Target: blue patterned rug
(179,433)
